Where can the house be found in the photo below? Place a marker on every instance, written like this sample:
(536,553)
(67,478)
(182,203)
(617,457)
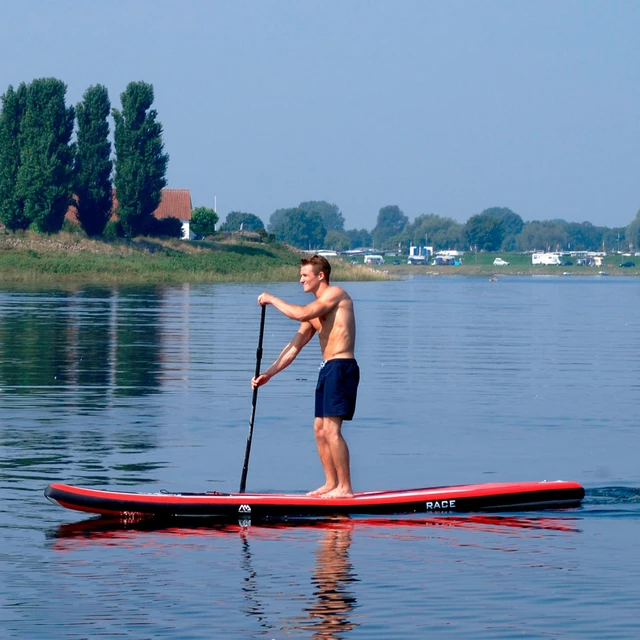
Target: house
(174,203)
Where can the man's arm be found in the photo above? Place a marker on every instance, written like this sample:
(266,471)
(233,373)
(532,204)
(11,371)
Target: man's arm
(319,307)
(287,356)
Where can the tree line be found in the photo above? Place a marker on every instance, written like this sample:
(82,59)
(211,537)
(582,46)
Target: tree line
(319,224)
(43,171)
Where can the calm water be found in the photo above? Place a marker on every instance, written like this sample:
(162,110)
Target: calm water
(463,381)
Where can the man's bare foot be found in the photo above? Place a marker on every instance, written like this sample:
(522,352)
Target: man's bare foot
(338,492)
(324,489)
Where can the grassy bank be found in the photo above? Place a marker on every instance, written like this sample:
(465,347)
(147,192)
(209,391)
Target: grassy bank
(61,258)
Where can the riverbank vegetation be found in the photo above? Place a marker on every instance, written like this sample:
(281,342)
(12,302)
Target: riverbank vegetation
(29,257)
(321,224)
(50,179)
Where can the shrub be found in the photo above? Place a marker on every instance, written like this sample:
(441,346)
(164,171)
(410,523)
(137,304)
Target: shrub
(113,230)
(167,227)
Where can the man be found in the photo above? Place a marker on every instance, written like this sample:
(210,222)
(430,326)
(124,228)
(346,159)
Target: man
(331,316)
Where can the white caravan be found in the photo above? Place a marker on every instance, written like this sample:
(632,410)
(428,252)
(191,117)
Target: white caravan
(548,259)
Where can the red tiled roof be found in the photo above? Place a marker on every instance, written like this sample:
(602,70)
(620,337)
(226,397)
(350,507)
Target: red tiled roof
(175,203)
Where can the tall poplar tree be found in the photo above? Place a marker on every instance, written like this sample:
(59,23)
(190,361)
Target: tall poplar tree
(45,177)
(11,207)
(140,162)
(93,161)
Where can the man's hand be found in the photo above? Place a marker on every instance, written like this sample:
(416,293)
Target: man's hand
(263,378)
(264,299)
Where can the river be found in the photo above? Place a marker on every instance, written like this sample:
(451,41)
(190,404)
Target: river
(463,381)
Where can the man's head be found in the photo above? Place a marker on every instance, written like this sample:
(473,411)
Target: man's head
(318,264)
(313,272)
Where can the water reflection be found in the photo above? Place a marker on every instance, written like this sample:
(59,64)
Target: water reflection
(95,530)
(137,344)
(93,342)
(329,614)
(34,346)
(251,589)
(328,608)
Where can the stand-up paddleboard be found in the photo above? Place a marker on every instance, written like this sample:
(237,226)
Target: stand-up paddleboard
(500,496)
(508,496)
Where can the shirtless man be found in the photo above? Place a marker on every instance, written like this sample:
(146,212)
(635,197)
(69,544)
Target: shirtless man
(331,316)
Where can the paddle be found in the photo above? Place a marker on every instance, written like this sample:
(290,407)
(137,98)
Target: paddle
(245,468)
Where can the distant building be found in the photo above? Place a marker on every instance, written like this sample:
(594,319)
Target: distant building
(174,203)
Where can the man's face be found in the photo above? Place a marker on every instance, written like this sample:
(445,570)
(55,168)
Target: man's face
(309,280)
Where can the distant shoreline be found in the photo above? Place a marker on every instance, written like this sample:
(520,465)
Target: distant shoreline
(519,264)
(68,258)
(480,271)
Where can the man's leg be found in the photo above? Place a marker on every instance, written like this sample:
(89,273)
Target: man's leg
(339,456)
(324,450)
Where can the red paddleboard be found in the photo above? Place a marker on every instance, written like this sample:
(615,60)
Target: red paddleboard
(495,496)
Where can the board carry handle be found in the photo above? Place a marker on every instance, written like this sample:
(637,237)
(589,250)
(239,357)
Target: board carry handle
(247,453)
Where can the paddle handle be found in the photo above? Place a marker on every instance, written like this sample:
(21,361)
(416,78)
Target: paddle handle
(247,453)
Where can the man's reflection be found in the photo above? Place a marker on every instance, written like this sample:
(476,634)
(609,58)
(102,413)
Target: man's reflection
(329,612)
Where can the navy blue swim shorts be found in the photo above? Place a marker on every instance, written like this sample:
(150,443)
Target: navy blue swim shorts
(337,388)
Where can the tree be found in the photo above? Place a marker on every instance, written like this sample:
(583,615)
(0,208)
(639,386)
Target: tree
(435,230)
(614,236)
(337,240)
(583,236)
(511,221)
(237,220)
(359,238)
(485,232)
(140,162)
(11,207)
(547,235)
(332,217)
(276,219)
(204,221)
(44,182)
(93,161)
(632,232)
(298,228)
(512,224)
(391,221)
(170,227)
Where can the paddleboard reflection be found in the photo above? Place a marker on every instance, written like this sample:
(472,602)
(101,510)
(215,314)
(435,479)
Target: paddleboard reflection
(97,529)
(327,610)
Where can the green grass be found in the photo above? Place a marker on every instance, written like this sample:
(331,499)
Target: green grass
(30,257)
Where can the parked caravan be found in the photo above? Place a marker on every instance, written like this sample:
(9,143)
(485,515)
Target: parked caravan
(373,259)
(548,259)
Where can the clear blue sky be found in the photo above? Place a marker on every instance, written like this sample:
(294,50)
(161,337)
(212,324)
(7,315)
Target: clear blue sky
(438,107)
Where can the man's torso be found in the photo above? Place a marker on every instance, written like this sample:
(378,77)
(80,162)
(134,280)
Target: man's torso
(337,329)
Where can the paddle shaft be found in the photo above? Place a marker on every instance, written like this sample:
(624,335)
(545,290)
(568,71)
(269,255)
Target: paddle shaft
(247,453)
